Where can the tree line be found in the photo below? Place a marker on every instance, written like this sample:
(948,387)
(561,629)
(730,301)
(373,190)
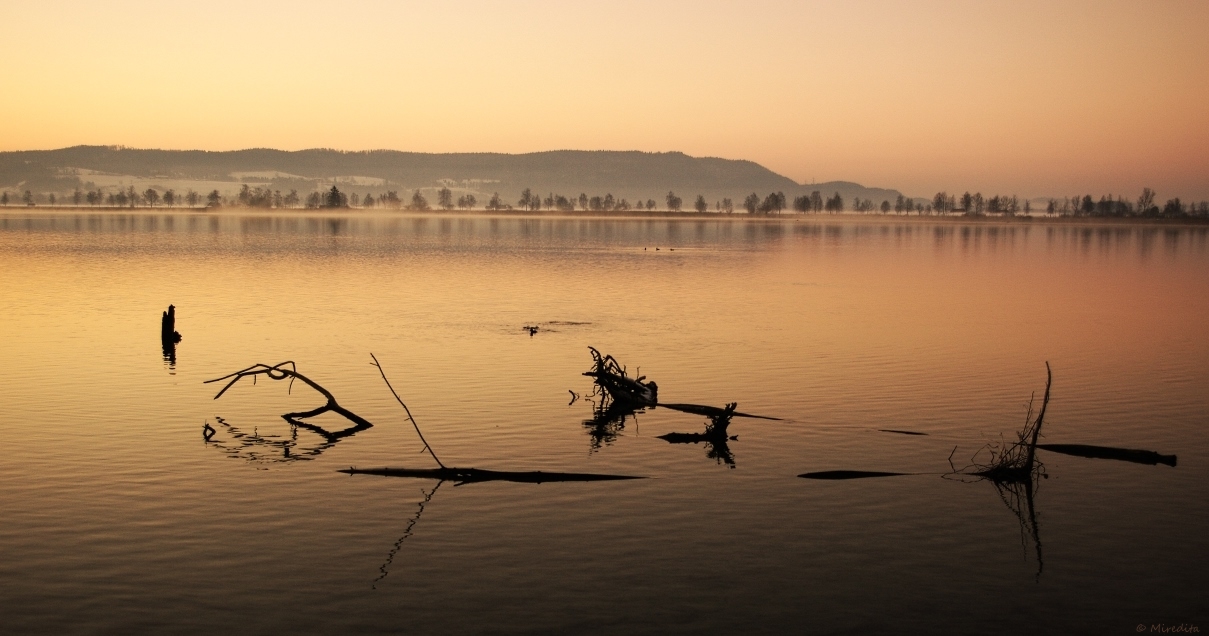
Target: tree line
(943,203)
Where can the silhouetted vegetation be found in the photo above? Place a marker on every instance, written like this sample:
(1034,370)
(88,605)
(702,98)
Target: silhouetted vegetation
(288,370)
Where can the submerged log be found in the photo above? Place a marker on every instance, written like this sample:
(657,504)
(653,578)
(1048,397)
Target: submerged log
(712,411)
(1107,452)
(848,474)
(472,475)
(693,438)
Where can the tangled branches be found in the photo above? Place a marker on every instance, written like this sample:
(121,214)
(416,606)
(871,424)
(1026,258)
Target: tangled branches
(614,384)
(1014,462)
(1013,469)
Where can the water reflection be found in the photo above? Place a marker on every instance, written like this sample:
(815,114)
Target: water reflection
(384,569)
(169,351)
(715,436)
(258,448)
(608,421)
(403,231)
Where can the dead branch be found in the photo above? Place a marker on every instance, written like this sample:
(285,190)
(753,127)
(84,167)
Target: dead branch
(1014,462)
(406,410)
(614,384)
(288,369)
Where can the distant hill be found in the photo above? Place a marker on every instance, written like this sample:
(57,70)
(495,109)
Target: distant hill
(631,175)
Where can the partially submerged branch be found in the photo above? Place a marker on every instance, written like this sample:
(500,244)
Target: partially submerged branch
(288,370)
(849,474)
(1108,452)
(1016,462)
(406,410)
(613,383)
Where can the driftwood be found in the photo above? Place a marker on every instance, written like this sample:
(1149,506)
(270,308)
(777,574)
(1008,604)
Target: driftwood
(473,475)
(467,475)
(713,411)
(288,370)
(1013,468)
(894,430)
(850,474)
(1107,452)
(613,383)
(1015,462)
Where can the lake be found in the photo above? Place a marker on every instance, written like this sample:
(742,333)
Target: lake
(119,517)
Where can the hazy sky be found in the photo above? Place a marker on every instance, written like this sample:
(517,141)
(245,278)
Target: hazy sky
(1034,98)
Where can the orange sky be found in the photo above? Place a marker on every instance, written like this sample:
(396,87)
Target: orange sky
(1034,98)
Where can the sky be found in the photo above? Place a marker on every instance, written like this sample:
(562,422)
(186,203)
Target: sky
(1035,98)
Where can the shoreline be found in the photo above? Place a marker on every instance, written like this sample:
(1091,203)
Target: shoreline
(629,215)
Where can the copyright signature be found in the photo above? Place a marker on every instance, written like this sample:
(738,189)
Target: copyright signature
(1163,628)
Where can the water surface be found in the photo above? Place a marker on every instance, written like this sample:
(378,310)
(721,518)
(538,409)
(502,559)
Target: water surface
(119,517)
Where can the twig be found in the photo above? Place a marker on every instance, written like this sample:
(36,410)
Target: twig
(407,410)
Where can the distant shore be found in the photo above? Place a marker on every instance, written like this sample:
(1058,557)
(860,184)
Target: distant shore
(1019,219)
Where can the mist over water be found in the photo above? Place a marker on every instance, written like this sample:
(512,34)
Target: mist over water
(119,517)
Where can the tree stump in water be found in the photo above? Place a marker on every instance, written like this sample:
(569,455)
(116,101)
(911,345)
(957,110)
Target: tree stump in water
(168,333)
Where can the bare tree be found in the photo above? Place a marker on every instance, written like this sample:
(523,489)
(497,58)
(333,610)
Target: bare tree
(1146,201)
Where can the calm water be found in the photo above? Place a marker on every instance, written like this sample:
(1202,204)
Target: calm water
(117,517)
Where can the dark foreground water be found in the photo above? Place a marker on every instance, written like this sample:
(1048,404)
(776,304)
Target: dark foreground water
(117,517)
